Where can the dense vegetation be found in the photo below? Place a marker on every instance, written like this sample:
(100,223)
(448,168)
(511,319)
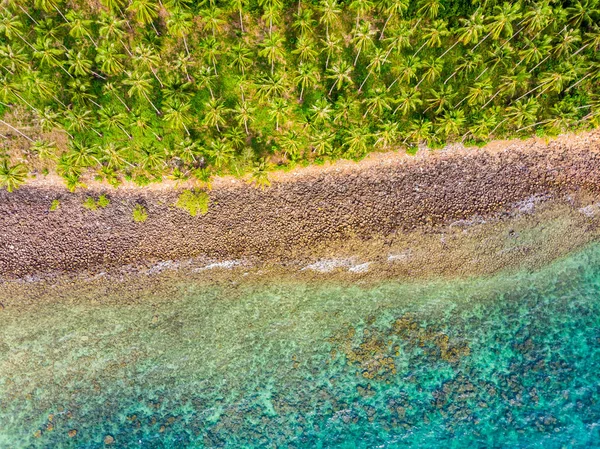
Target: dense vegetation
(143,89)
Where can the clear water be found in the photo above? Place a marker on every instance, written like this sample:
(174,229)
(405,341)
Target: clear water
(507,362)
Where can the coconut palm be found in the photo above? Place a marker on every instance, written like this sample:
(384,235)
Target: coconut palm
(329,14)
(140,86)
(211,18)
(272,49)
(430,8)
(306,76)
(145,11)
(363,38)
(279,110)
(215,113)
(177,115)
(408,101)
(501,23)
(340,73)
(356,141)
(179,24)
(305,49)
(392,8)
(110,59)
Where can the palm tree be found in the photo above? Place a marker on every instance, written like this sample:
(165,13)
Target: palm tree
(109,57)
(140,86)
(329,14)
(362,7)
(215,113)
(82,155)
(180,25)
(433,35)
(272,49)
(441,98)
(212,20)
(362,39)
(501,23)
(79,26)
(112,119)
(305,49)
(304,22)
(239,6)
(221,152)
(177,115)
(78,64)
(331,47)
(356,141)
(307,76)
(409,100)
(387,135)
(210,49)
(472,28)
(241,57)
(522,113)
(44,149)
(433,68)
(145,11)
(452,123)
(244,115)
(392,8)
(378,103)
(340,74)
(430,8)
(260,174)
(12,176)
(205,78)
(321,111)
(407,70)
(378,59)
(279,110)
(147,58)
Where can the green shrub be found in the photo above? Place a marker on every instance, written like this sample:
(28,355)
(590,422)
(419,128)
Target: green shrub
(140,214)
(193,202)
(55,205)
(103,201)
(90,204)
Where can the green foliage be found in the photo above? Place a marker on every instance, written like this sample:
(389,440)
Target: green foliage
(193,202)
(55,205)
(294,82)
(90,204)
(103,201)
(139,214)
(12,176)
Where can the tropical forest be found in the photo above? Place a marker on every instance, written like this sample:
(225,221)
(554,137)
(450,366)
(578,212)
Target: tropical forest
(147,90)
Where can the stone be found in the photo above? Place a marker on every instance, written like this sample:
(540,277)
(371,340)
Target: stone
(109,439)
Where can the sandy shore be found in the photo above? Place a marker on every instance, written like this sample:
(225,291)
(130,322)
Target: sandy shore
(424,210)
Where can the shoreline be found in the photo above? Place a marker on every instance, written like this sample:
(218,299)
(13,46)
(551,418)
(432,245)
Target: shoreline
(388,202)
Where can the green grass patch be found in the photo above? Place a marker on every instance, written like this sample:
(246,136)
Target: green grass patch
(139,214)
(193,202)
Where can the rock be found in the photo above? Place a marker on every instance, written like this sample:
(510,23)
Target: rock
(109,439)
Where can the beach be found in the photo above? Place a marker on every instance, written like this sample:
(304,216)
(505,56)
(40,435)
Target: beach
(385,206)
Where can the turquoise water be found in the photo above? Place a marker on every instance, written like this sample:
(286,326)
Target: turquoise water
(507,362)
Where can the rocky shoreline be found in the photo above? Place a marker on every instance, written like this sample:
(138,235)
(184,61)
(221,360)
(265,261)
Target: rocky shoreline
(374,208)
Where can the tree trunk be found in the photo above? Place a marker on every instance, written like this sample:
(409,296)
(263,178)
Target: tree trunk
(15,129)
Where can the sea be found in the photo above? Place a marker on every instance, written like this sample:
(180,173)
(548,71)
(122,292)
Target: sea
(504,361)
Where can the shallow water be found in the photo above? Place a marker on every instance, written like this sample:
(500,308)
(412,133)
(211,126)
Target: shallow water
(511,361)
